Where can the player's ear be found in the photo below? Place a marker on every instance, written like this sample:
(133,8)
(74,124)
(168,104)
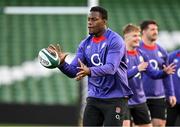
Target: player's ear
(105,21)
(142,32)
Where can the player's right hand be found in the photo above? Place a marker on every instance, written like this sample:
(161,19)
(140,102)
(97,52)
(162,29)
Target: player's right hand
(83,71)
(142,66)
(170,69)
(56,48)
(172,101)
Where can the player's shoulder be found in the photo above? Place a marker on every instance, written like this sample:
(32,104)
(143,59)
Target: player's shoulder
(174,53)
(140,44)
(161,49)
(114,37)
(141,52)
(112,34)
(85,40)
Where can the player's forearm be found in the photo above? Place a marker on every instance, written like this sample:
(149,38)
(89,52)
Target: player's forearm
(107,69)
(68,70)
(168,85)
(132,72)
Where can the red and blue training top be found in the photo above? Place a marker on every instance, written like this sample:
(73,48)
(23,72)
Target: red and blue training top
(106,58)
(175,58)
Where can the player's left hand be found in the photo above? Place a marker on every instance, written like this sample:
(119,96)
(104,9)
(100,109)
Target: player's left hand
(172,101)
(170,69)
(83,71)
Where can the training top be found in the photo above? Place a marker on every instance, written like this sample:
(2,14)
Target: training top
(175,58)
(159,88)
(106,58)
(134,58)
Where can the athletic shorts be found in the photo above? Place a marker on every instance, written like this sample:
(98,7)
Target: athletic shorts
(158,108)
(107,112)
(139,114)
(173,113)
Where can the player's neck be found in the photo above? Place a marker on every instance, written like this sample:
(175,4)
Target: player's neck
(148,42)
(130,48)
(100,33)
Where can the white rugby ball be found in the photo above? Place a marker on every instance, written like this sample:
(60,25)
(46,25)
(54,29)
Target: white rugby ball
(48,59)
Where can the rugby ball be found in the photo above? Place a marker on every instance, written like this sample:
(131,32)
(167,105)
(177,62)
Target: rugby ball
(48,59)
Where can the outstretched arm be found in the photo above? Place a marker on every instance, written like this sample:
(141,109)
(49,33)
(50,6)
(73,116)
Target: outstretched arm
(157,74)
(69,69)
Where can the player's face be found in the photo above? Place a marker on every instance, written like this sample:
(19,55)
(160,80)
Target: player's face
(96,24)
(132,39)
(152,32)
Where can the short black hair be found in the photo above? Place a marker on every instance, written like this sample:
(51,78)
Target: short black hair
(101,10)
(144,24)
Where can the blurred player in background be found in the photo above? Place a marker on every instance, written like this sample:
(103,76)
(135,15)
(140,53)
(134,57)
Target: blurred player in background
(138,64)
(174,112)
(101,57)
(157,91)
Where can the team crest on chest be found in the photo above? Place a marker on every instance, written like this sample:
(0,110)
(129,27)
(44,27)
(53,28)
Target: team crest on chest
(88,46)
(160,54)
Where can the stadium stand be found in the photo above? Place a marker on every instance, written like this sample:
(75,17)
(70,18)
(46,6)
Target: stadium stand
(165,12)
(22,36)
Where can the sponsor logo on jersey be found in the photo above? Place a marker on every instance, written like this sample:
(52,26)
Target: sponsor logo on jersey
(154,64)
(95,59)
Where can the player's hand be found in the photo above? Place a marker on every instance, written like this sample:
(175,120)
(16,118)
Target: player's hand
(170,69)
(142,66)
(172,101)
(56,48)
(83,71)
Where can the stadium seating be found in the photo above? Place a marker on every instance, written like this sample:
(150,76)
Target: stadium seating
(21,39)
(165,12)
(56,89)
